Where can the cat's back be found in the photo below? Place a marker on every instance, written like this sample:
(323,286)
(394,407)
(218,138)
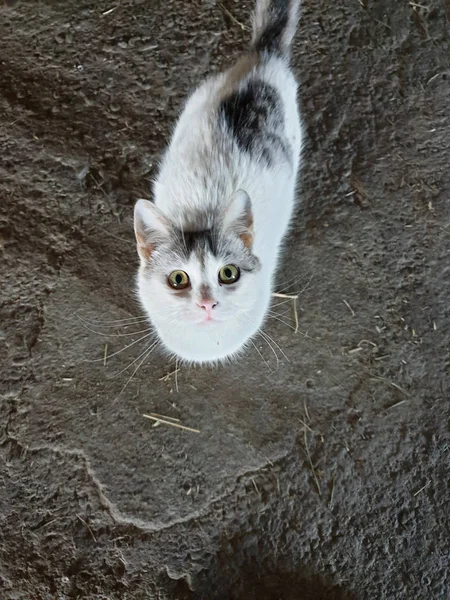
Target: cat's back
(235,126)
(250,93)
(240,129)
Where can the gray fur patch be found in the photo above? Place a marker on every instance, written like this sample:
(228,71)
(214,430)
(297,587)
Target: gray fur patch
(199,243)
(254,116)
(205,291)
(213,242)
(182,244)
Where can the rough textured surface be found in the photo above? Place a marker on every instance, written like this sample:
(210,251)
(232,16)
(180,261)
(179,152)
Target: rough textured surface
(328,478)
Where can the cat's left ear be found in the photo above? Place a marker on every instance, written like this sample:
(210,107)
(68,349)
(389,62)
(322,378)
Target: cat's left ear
(239,217)
(150,227)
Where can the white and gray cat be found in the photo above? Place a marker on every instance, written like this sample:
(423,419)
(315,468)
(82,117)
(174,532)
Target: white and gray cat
(223,199)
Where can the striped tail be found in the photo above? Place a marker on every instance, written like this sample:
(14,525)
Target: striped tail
(274,25)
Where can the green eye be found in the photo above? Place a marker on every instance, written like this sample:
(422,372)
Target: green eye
(229,274)
(178,280)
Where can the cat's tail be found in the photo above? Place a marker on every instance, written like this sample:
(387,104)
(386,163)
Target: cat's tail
(274,25)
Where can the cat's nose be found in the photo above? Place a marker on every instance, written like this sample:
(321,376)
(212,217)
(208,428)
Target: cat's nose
(207,305)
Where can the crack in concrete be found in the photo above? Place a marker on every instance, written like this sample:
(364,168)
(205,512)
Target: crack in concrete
(120,518)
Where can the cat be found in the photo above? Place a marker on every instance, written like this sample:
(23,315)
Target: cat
(223,199)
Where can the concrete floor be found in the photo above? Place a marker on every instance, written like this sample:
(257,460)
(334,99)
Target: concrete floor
(325,478)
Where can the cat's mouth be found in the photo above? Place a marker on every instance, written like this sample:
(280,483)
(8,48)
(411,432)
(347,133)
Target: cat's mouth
(207,320)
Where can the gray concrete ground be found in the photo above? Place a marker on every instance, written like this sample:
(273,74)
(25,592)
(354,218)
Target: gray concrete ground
(325,478)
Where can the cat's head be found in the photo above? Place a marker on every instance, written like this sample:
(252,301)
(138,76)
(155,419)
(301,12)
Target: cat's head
(201,285)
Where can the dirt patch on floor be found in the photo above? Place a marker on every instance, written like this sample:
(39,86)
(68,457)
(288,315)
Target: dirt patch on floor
(325,478)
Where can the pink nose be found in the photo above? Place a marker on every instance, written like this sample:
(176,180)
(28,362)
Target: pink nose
(207,305)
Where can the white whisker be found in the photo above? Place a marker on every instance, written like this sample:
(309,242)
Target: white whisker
(306,286)
(291,282)
(150,347)
(262,334)
(302,333)
(277,345)
(113,322)
(269,341)
(281,303)
(277,318)
(115,325)
(176,375)
(104,358)
(262,357)
(283,313)
(115,334)
(146,355)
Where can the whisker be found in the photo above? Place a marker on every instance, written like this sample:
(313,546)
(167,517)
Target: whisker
(109,321)
(281,303)
(302,333)
(268,341)
(306,286)
(105,358)
(115,325)
(176,375)
(283,313)
(277,345)
(262,357)
(261,333)
(148,352)
(294,281)
(150,347)
(277,318)
(115,334)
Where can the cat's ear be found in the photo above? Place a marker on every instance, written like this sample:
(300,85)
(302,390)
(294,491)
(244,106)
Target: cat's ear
(239,217)
(150,227)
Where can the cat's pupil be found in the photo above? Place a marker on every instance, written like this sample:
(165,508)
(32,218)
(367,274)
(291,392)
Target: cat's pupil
(228,273)
(178,279)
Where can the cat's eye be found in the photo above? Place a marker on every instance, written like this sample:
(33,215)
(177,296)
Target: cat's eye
(178,280)
(229,274)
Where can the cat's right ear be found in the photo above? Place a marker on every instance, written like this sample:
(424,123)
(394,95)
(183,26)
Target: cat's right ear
(150,227)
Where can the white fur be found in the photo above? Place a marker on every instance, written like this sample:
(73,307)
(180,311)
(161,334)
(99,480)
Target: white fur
(182,331)
(198,171)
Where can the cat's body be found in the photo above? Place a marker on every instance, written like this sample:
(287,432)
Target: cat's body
(224,197)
